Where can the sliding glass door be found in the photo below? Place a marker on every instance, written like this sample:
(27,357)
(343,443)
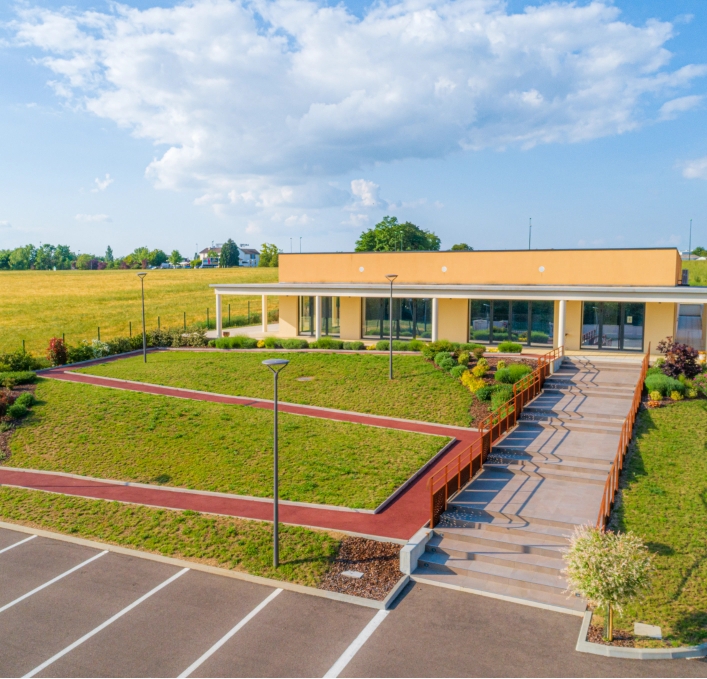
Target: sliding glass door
(499,320)
(616,326)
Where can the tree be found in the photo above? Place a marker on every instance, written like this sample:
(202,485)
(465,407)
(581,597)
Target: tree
(63,257)
(5,259)
(462,246)
(109,256)
(229,254)
(608,569)
(175,257)
(269,255)
(23,258)
(699,251)
(157,258)
(389,235)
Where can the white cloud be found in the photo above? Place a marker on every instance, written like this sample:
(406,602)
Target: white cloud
(266,101)
(93,218)
(366,192)
(670,109)
(695,169)
(4,224)
(102,184)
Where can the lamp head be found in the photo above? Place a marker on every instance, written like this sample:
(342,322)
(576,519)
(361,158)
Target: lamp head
(142,274)
(275,364)
(391,276)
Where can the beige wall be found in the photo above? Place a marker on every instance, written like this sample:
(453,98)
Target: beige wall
(659,323)
(573,325)
(289,316)
(512,267)
(350,310)
(453,320)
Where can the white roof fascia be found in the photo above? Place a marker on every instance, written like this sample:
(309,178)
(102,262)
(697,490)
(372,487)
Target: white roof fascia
(676,294)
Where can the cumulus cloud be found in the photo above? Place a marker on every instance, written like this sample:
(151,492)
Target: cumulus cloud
(695,169)
(259,103)
(93,218)
(366,192)
(102,184)
(670,109)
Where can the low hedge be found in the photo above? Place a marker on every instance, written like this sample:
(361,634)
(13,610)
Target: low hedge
(18,377)
(512,373)
(510,348)
(664,384)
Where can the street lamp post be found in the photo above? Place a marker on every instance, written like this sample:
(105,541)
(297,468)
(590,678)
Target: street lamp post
(144,333)
(391,277)
(276,365)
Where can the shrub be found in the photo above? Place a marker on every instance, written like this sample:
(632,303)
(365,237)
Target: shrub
(212,343)
(354,346)
(236,342)
(655,396)
(19,361)
(700,383)
(510,348)
(371,347)
(512,373)
(382,345)
(664,384)
(260,344)
(399,345)
(415,345)
(478,352)
(470,346)
(464,358)
(27,399)
(441,356)
(271,343)
(458,370)
(654,370)
(484,393)
(500,365)
(22,377)
(327,343)
(17,411)
(481,368)
(447,363)
(56,352)
(100,349)
(680,359)
(676,396)
(471,382)
(501,394)
(295,344)
(691,392)
(609,569)
(83,351)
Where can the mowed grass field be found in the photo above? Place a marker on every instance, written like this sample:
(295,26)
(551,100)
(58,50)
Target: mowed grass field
(38,305)
(128,436)
(357,382)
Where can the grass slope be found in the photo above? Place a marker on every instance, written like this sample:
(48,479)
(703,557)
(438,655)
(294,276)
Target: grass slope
(77,302)
(227,542)
(665,502)
(357,382)
(129,436)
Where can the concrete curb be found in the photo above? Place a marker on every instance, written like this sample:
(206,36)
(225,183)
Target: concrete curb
(584,646)
(214,570)
(410,554)
(402,488)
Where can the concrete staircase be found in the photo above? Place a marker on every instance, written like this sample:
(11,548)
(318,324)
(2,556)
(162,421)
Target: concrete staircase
(503,533)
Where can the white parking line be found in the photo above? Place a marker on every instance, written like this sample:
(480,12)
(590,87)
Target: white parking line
(17,544)
(52,581)
(338,667)
(102,626)
(228,635)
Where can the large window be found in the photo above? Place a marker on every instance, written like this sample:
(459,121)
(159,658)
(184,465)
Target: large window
(412,318)
(616,326)
(331,324)
(497,320)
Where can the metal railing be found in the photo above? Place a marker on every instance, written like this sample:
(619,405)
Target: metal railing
(612,481)
(460,470)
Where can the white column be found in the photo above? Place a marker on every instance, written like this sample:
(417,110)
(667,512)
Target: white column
(435,319)
(317,317)
(219,321)
(264,312)
(561,324)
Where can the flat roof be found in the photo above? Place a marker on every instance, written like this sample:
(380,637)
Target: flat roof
(407,252)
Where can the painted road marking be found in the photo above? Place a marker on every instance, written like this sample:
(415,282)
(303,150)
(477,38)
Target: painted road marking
(229,634)
(102,626)
(338,667)
(17,544)
(52,581)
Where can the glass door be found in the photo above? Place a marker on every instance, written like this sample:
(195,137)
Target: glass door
(519,322)
(613,326)
(610,326)
(633,321)
(500,329)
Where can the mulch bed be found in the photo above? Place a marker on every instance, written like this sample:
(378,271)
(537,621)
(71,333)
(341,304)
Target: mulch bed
(378,561)
(621,637)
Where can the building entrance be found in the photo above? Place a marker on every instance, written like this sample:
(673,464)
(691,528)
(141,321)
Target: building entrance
(613,326)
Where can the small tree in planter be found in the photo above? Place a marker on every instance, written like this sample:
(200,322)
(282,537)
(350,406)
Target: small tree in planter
(608,569)
(57,352)
(680,359)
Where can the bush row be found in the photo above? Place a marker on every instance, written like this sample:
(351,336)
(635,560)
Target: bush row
(16,407)
(244,342)
(11,379)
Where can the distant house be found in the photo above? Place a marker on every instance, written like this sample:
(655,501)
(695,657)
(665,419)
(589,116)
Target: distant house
(210,261)
(248,256)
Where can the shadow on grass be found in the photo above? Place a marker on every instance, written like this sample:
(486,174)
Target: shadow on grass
(691,628)
(162,478)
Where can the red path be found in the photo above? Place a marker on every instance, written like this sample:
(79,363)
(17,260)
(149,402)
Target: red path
(400,519)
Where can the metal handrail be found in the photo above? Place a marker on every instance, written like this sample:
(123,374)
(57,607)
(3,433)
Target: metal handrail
(612,481)
(455,473)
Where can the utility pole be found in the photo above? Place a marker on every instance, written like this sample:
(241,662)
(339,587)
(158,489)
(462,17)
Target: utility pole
(689,246)
(530,230)
(300,245)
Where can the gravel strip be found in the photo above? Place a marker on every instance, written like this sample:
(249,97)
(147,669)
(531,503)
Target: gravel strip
(378,561)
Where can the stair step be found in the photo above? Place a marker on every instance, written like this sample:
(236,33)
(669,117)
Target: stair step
(555,423)
(560,474)
(554,584)
(462,526)
(546,410)
(519,594)
(582,465)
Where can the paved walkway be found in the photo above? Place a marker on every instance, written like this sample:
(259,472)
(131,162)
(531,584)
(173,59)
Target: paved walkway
(399,520)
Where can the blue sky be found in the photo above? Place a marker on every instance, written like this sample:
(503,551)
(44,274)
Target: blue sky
(172,125)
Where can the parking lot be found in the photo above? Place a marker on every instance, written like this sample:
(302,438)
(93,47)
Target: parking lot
(68,610)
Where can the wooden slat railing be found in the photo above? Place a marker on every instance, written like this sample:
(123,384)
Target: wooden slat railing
(458,471)
(612,481)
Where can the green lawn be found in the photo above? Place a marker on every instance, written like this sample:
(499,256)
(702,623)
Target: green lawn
(665,502)
(357,382)
(113,434)
(227,542)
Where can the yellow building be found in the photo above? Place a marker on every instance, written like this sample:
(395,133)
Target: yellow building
(584,300)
